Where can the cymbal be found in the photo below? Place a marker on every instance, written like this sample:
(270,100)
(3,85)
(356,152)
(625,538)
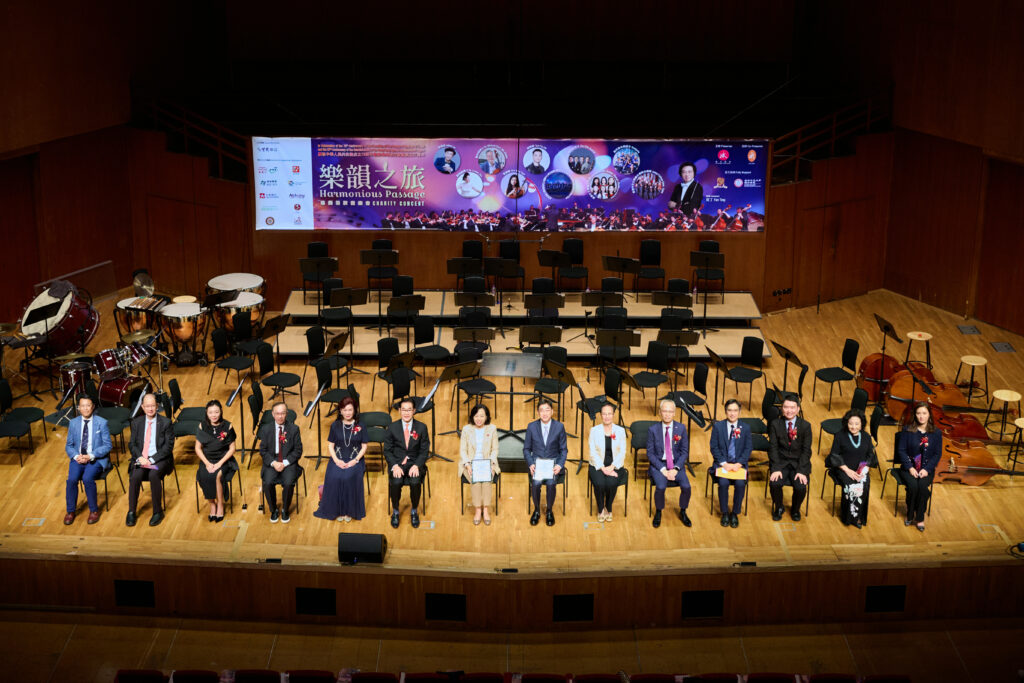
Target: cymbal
(141,335)
(7,328)
(72,357)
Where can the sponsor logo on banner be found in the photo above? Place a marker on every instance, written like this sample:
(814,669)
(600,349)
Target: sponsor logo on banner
(270,220)
(723,155)
(738,182)
(296,169)
(296,195)
(298,207)
(752,156)
(261,170)
(298,220)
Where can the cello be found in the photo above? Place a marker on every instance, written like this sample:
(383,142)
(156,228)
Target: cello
(968,463)
(945,401)
(874,371)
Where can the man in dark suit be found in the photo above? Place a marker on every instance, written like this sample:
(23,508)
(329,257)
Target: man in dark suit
(152,449)
(789,456)
(406,447)
(731,446)
(545,438)
(688,195)
(87,445)
(281,451)
(668,448)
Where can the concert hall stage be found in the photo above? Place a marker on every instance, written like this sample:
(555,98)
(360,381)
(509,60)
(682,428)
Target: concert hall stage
(509,575)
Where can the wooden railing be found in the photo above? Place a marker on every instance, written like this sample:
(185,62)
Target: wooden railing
(195,131)
(793,147)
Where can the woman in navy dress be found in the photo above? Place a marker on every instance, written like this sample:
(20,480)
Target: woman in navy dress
(342,497)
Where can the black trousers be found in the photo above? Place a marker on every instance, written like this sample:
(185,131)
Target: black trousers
(605,486)
(788,479)
(395,485)
(156,482)
(917,494)
(286,478)
(550,487)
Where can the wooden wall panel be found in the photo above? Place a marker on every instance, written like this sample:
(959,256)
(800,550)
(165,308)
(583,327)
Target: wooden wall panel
(933,220)
(21,245)
(1001,279)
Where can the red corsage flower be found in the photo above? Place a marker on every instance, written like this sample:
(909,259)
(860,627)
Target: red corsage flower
(357,429)
(282,438)
(414,435)
(613,436)
(222,435)
(924,442)
(677,438)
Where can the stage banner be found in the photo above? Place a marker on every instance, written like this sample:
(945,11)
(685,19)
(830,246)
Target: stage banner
(477,185)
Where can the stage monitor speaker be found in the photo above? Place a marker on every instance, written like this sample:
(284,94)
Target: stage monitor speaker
(355,548)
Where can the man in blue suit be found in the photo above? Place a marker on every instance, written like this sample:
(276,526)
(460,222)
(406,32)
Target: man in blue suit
(731,445)
(88,447)
(545,438)
(668,447)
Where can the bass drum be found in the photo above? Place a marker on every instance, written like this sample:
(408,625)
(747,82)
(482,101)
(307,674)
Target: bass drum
(122,391)
(68,321)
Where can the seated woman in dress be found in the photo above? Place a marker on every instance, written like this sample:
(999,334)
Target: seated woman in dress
(342,498)
(850,463)
(216,457)
(918,450)
(479,442)
(608,445)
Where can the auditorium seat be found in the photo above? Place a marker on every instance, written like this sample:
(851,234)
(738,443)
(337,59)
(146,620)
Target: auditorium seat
(546,678)
(652,678)
(485,678)
(374,677)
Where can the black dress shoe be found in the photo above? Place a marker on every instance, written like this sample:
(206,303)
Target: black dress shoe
(415,519)
(725,520)
(156,519)
(685,519)
(394,520)
(275,516)
(734,521)
(776,514)
(550,519)
(130,519)
(656,522)
(795,514)
(534,518)
(859,524)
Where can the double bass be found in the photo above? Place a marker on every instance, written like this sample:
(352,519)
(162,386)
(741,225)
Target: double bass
(947,403)
(968,463)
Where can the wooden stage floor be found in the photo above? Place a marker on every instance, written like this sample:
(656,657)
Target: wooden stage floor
(968,525)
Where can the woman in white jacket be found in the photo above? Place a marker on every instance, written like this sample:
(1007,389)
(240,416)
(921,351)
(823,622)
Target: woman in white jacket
(607,457)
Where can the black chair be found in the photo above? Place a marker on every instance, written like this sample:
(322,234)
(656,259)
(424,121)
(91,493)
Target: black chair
(650,264)
(181,427)
(376,424)
(280,382)
(332,395)
(612,355)
(401,285)
(193,414)
(27,414)
(750,355)
(592,406)
(316,345)
(623,481)
(560,480)
(656,373)
(573,246)
(463,483)
(699,395)
(140,676)
(892,472)
(380,272)
(769,411)
(315,250)
(837,375)
(387,348)
(552,388)
(226,482)
(473,249)
(638,442)
(474,387)
(243,334)
(425,343)
(334,316)
(707,275)
(14,429)
(226,362)
(614,285)
(677,286)
(509,250)
(835,424)
(542,316)
(401,384)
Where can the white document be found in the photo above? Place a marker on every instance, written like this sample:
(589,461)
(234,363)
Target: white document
(544,468)
(481,470)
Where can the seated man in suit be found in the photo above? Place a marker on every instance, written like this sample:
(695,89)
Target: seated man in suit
(545,438)
(731,446)
(281,451)
(152,449)
(406,447)
(668,448)
(88,447)
(789,456)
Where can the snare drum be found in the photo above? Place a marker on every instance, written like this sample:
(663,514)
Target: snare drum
(136,353)
(122,391)
(243,282)
(109,363)
(183,322)
(74,375)
(245,301)
(185,299)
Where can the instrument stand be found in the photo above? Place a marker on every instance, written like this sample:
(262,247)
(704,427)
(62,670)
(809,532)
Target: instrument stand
(332,354)
(887,331)
(458,373)
(723,370)
(379,258)
(705,260)
(312,406)
(461,266)
(347,298)
(500,269)
(586,330)
(563,374)
(683,300)
(616,339)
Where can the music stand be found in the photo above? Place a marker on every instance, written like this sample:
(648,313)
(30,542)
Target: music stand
(544,303)
(888,332)
(621,265)
(628,380)
(273,328)
(789,357)
(672,299)
(549,258)
(378,258)
(461,266)
(406,305)
(705,260)
(474,335)
(722,369)
(539,334)
(323,267)
(500,269)
(457,373)
(596,300)
(616,339)
(677,339)
(315,404)
(346,297)
(241,415)
(333,351)
(511,365)
(698,417)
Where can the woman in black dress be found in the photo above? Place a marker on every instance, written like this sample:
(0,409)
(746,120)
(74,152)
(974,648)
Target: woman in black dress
(342,497)
(919,450)
(850,463)
(217,458)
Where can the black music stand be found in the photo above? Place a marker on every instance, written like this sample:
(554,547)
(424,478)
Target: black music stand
(310,407)
(723,370)
(596,300)
(616,339)
(706,260)
(378,258)
(273,328)
(549,258)
(511,365)
(458,373)
(474,299)
(324,267)
(888,332)
(542,335)
(621,265)
(627,379)
(544,303)
(333,352)
(672,299)
(677,339)
(346,297)
(694,416)
(475,335)
(406,305)
(789,357)
(502,269)
(461,266)
(241,414)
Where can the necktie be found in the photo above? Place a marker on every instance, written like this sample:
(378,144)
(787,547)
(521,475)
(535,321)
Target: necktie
(668,448)
(280,435)
(85,437)
(544,430)
(790,431)
(149,436)
(406,425)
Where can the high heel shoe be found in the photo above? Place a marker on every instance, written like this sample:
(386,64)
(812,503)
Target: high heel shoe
(211,518)
(219,518)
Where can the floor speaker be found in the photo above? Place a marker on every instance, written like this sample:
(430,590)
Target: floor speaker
(354,548)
